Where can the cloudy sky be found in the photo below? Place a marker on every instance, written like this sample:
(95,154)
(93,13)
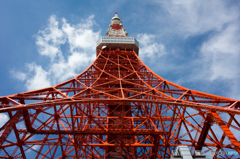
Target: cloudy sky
(192,43)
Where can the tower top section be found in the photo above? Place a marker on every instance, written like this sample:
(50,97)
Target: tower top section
(116,27)
(117,38)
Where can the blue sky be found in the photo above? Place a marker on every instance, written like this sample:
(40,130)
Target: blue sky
(192,43)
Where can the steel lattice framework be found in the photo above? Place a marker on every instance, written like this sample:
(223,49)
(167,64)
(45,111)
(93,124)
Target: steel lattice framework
(116,108)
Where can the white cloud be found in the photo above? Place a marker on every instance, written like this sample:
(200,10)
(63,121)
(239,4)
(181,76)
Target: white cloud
(192,17)
(34,147)
(81,36)
(3,119)
(62,70)
(80,41)
(50,39)
(39,78)
(217,24)
(219,59)
(148,46)
(221,54)
(18,75)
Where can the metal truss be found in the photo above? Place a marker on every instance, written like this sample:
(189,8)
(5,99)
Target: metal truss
(117,108)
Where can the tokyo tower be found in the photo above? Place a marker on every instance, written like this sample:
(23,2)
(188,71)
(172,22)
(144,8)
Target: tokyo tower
(117,108)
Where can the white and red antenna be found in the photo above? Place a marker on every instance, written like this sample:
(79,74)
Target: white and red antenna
(116,29)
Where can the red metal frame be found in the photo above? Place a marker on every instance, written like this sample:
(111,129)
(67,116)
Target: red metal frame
(116,108)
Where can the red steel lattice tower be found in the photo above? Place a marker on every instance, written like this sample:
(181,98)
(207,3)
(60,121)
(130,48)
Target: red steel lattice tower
(117,108)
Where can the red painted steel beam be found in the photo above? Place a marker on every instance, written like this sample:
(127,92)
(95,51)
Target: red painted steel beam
(67,101)
(7,128)
(226,131)
(95,132)
(118,78)
(204,132)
